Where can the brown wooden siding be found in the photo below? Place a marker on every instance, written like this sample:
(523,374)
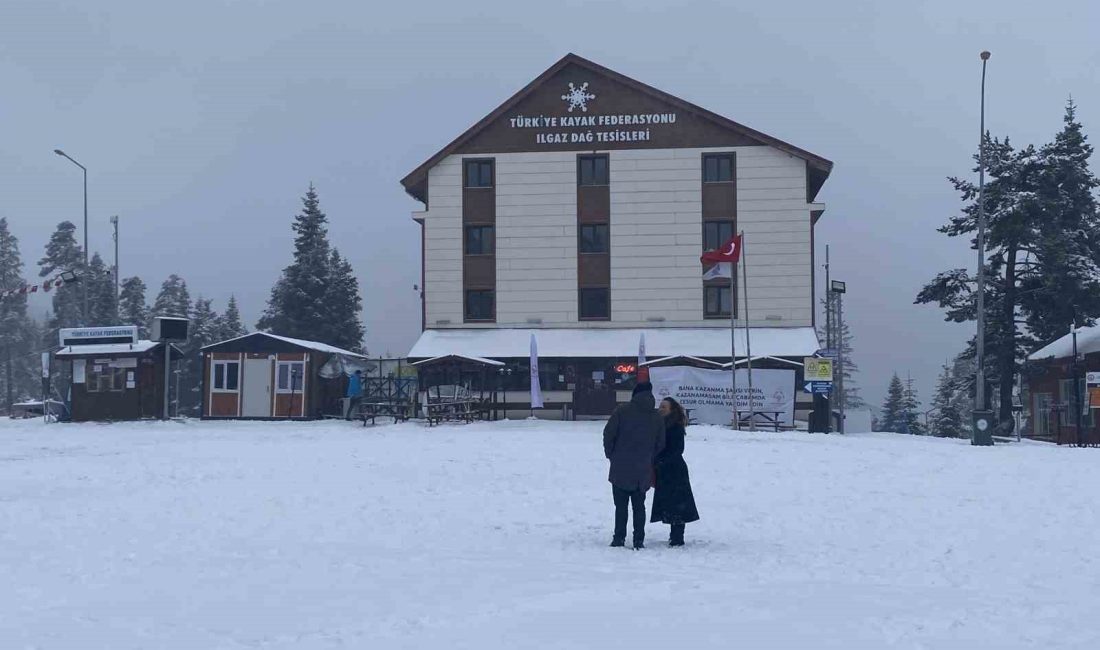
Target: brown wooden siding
(593,270)
(593,203)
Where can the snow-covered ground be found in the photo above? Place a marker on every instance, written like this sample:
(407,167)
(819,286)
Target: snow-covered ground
(329,535)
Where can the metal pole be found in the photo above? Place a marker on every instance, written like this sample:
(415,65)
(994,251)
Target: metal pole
(828,303)
(748,340)
(979,389)
(1077,389)
(167,376)
(85,284)
(840,358)
(114,222)
(733,343)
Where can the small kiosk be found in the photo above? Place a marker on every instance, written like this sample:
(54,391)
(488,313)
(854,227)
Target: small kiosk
(115,376)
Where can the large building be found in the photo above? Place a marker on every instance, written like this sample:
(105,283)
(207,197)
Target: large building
(578,209)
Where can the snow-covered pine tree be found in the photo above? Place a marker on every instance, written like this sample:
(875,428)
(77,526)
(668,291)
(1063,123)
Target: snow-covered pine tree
(102,306)
(63,254)
(344,306)
(132,307)
(852,397)
(946,422)
(18,335)
(893,409)
(201,332)
(911,410)
(173,299)
(297,306)
(1066,281)
(229,325)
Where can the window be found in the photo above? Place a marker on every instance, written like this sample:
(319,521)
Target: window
(102,378)
(479,240)
(718,168)
(595,304)
(480,304)
(716,233)
(592,170)
(479,173)
(289,376)
(716,301)
(594,238)
(1066,415)
(226,376)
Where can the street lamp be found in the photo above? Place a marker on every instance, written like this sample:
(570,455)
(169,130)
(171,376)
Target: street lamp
(981,433)
(838,289)
(85,170)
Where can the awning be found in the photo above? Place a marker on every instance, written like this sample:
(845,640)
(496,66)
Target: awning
(112,349)
(458,357)
(743,362)
(706,362)
(607,342)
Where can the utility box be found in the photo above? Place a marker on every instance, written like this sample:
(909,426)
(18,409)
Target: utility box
(982,432)
(169,328)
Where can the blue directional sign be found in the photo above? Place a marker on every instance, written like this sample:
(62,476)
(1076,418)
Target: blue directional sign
(818,387)
(828,353)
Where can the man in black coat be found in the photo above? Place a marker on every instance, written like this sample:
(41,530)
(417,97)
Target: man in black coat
(632,438)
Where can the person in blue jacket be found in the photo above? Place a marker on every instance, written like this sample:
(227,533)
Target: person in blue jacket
(355,393)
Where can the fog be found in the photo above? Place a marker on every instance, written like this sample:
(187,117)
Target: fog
(203,123)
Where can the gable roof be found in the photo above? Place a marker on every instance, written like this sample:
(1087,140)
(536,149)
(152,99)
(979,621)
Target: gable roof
(301,343)
(415,182)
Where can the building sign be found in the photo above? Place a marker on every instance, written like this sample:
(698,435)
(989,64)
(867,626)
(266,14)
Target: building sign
(596,129)
(1092,385)
(625,368)
(707,393)
(816,369)
(98,335)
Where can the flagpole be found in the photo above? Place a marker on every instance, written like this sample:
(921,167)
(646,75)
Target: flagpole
(733,343)
(748,340)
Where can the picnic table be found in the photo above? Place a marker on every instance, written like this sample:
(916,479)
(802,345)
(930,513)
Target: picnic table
(399,411)
(769,417)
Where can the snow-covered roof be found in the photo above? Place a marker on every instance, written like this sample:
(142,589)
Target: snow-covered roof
(488,362)
(106,349)
(1088,341)
(607,342)
(685,356)
(310,345)
(743,362)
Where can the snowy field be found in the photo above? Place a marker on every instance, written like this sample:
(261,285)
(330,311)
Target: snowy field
(494,536)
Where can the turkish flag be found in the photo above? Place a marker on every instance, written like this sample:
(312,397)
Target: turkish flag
(727,252)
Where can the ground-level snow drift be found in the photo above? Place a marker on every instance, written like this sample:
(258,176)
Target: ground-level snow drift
(329,535)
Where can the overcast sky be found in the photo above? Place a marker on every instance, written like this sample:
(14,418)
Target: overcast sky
(202,123)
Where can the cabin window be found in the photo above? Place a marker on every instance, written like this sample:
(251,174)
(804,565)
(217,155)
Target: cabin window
(716,233)
(718,168)
(592,170)
(226,376)
(595,304)
(594,238)
(289,376)
(102,378)
(716,301)
(480,304)
(479,173)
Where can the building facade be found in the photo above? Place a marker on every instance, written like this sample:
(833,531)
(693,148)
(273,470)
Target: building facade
(579,209)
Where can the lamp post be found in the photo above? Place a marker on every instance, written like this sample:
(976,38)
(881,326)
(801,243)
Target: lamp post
(981,434)
(838,289)
(85,170)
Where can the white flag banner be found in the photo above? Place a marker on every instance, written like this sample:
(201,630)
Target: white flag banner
(536,388)
(641,350)
(706,393)
(720,270)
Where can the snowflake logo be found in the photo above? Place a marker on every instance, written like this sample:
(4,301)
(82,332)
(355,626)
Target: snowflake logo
(578,97)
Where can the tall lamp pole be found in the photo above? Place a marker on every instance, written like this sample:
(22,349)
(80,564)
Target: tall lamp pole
(981,433)
(84,285)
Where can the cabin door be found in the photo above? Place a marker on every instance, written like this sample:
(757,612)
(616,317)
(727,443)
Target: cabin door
(256,388)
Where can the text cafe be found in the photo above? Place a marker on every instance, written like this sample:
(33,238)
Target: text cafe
(115,375)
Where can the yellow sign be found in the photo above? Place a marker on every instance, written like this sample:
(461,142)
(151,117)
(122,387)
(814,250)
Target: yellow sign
(818,369)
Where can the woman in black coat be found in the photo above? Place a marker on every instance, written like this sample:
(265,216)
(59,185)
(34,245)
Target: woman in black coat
(673,502)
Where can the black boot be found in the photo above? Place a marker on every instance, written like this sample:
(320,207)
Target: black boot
(618,542)
(676,535)
(639,542)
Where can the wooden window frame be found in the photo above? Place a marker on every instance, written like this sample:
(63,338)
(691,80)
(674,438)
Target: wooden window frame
(219,368)
(606,240)
(724,290)
(289,364)
(719,223)
(492,239)
(580,304)
(466,162)
(591,158)
(466,306)
(720,156)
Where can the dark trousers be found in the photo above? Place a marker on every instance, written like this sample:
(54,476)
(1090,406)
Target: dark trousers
(676,534)
(353,406)
(636,499)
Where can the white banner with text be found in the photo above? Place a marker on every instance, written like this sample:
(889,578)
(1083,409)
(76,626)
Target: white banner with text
(706,393)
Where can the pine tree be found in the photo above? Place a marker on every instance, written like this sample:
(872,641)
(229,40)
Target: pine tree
(342,298)
(202,331)
(911,410)
(893,409)
(18,334)
(63,254)
(947,422)
(102,305)
(229,325)
(852,398)
(173,299)
(132,308)
(317,296)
